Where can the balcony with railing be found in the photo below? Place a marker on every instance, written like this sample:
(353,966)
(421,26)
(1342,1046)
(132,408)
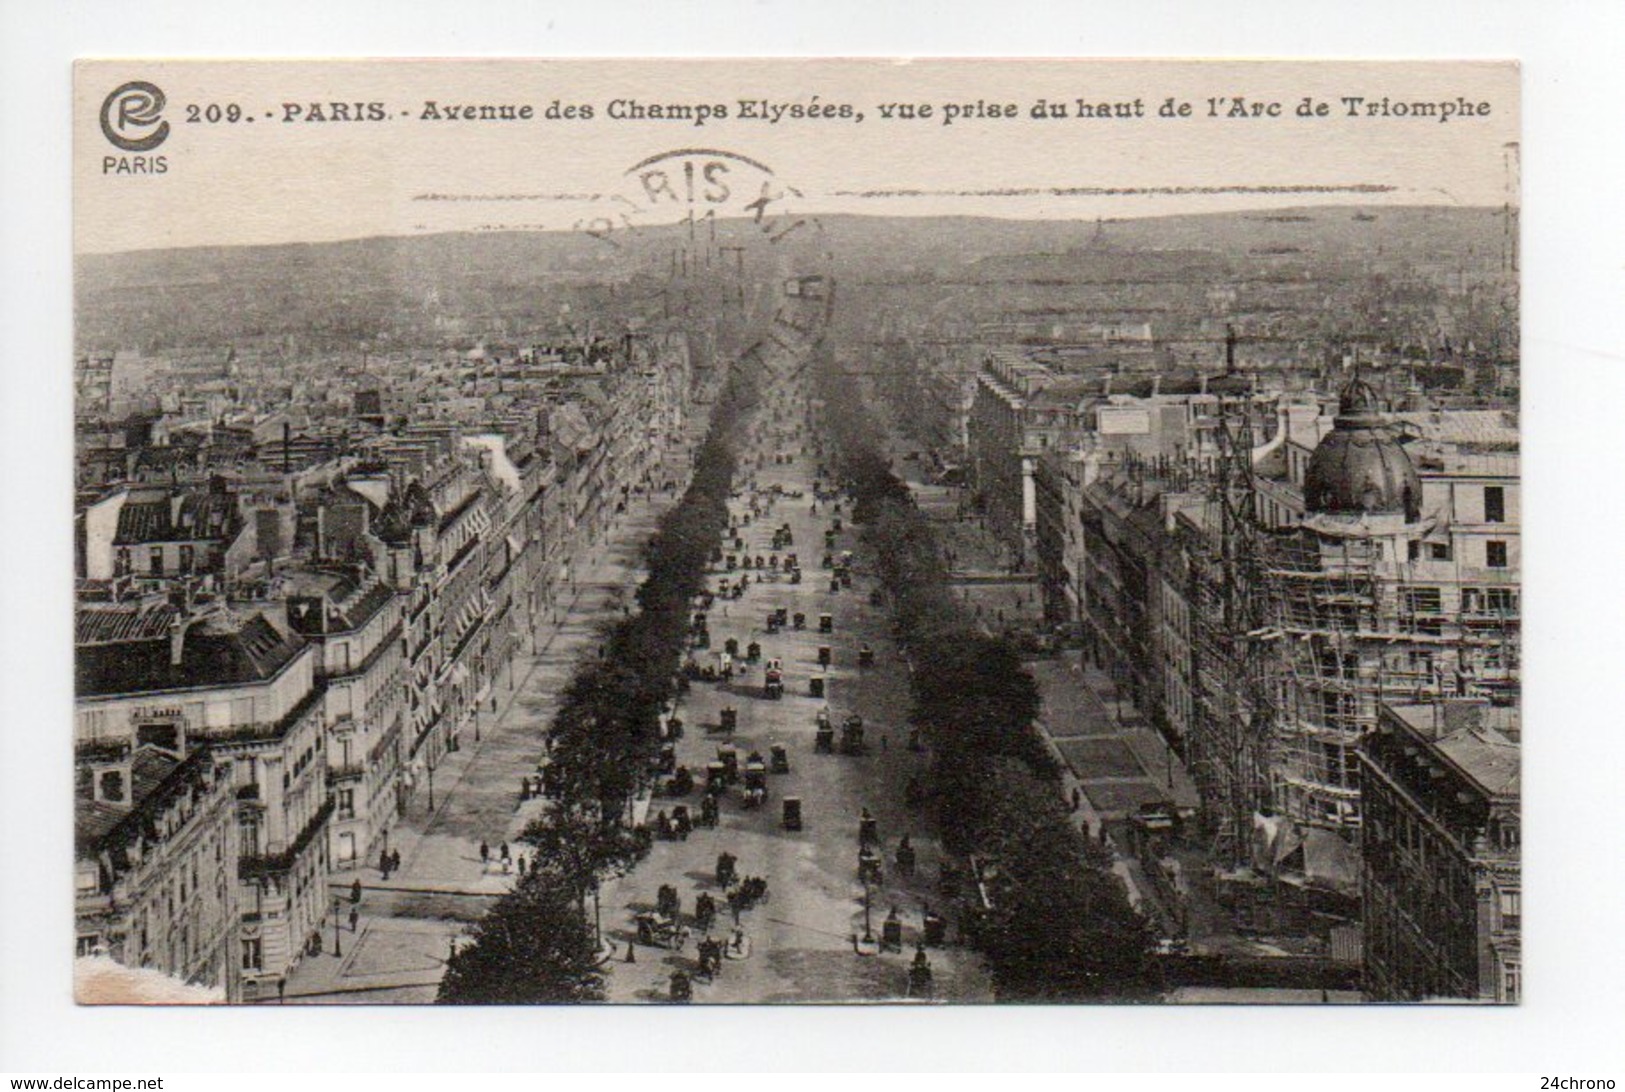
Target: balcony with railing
(346,771)
(257,865)
(269,730)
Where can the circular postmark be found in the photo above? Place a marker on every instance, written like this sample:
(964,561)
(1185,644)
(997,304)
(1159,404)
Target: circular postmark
(132,116)
(723,229)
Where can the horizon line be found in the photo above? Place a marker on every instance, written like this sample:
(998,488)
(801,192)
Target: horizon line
(898,215)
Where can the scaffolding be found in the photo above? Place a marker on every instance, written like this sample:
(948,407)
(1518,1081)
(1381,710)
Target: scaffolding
(1324,596)
(1232,699)
(1358,628)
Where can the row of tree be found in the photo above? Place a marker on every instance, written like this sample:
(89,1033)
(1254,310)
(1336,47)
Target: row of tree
(1059,925)
(538,944)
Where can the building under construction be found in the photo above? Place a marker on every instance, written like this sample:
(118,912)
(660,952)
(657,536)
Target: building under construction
(1395,586)
(1262,605)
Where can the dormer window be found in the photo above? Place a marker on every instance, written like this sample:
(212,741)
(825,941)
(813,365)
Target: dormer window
(111,786)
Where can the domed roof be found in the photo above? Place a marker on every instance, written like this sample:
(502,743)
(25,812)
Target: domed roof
(1359,467)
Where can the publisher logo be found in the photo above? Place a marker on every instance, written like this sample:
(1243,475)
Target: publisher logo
(132,117)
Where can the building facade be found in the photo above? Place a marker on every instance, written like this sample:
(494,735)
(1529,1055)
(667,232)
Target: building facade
(155,838)
(1441,881)
(249,692)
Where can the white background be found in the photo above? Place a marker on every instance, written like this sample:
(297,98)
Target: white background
(1574,551)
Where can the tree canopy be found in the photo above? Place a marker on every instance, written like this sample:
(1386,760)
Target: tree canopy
(1060,927)
(533,947)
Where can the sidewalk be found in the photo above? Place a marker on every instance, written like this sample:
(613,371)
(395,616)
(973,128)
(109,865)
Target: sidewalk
(409,921)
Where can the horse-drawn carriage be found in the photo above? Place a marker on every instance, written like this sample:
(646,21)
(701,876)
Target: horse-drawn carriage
(866,655)
(729,757)
(781,758)
(868,829)
(792,813)
(824,741)
(852,736)
(773,684)
(891,933)
(681,782)
(751,890)
(710,958)
(674,827)
(705,912)
(659,931)
(727,870)
(755,782)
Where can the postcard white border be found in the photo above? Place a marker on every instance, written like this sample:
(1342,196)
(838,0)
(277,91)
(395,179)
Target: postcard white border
(1574,382)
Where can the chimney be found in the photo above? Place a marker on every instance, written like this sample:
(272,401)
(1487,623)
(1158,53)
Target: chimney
(1229,348)
(177,639)
(1462,714)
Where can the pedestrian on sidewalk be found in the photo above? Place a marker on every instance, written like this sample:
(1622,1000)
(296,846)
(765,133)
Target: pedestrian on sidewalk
(505,856)
(394,860)
(485,854)
(355,918)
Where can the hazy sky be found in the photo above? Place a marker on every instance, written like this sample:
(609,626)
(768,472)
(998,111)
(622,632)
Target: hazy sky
(271,180)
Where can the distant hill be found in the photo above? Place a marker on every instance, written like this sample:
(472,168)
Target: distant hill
(402,285)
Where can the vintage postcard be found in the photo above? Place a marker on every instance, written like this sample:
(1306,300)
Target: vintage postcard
(796,531)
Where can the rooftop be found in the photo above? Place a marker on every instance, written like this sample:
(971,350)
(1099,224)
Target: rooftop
(217,651)
(103,623)
(1478,739)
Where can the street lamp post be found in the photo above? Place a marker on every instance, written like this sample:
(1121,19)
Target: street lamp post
(597,916)
(338,950)
(431,786)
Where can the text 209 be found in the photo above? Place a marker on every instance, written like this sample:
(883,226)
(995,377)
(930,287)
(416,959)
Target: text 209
(214,113)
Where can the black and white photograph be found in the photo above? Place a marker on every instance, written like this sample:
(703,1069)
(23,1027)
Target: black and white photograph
(796,531)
